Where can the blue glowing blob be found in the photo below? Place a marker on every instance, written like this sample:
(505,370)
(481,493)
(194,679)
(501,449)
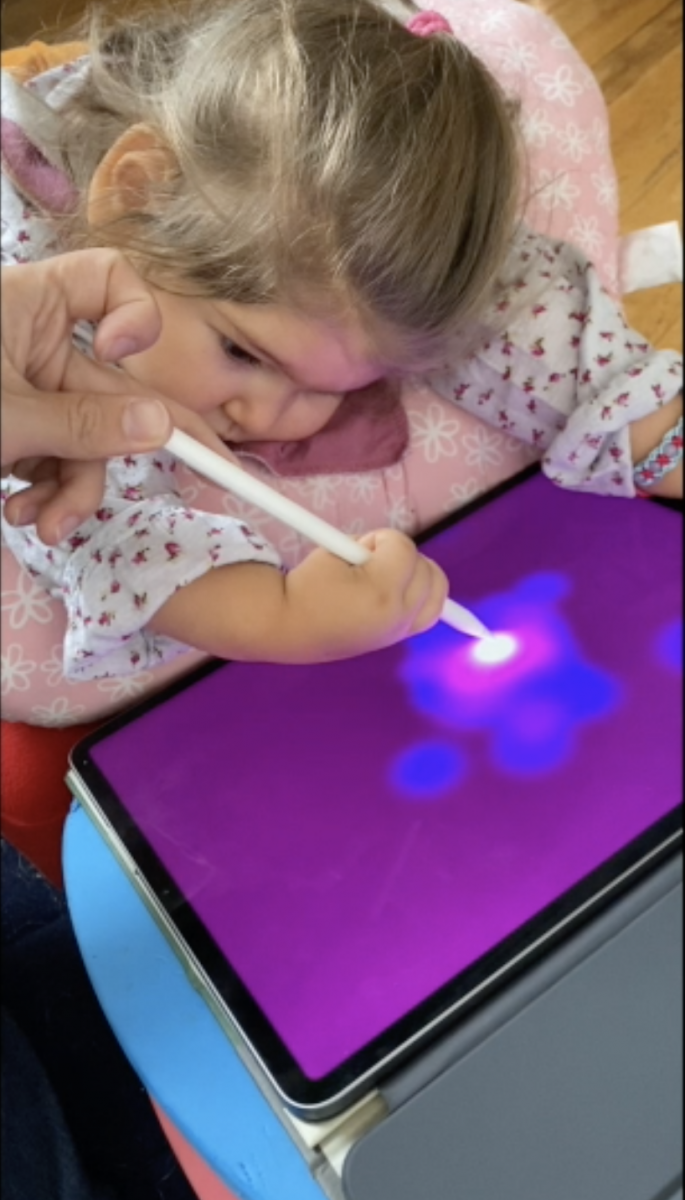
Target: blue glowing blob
(543,588)
(589,693)
(668,645)
(433,641)
(427,770)
(533,694)
(536,740)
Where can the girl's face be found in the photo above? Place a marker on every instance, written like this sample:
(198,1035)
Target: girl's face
(254,372)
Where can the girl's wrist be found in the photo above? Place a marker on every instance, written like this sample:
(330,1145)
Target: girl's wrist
(663,459)
(656,450)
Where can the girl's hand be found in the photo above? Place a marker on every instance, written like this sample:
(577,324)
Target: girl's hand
(336,611)
(322,610)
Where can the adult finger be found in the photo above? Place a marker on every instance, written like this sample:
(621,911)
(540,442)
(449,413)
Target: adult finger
(84,375)
(82,425)
(23,508)
(102,286)
(79,495)
(58,504)
(41,303)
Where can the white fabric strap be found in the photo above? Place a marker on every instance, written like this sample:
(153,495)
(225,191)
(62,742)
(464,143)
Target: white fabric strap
(650,257)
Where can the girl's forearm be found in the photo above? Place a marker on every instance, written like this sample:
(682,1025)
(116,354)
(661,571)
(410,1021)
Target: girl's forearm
(251,612)
(231,612)
(323,610)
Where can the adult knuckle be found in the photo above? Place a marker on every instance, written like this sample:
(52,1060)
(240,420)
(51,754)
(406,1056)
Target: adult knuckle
(84,420)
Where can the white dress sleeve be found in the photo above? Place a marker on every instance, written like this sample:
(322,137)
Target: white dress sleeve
(122,564)
(567,375)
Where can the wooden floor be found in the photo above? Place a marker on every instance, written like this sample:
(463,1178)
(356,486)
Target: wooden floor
(635,49)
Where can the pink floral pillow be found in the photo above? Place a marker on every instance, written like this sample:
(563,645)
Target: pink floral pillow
(452,456)
(571,182)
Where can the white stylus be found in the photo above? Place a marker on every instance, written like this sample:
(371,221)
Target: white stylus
(210,464)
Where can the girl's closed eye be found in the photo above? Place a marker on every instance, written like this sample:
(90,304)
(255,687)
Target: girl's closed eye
(238,353)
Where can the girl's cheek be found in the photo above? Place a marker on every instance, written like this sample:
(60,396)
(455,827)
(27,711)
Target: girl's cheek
(317,419)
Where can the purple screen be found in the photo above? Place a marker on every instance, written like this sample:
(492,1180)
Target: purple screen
(354,835)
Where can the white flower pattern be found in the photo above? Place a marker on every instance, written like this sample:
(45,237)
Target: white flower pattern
(494,18)
(605,188)
(520,57)
(400,516)
(255,518)
(561,85)
(57,714)
(537,128)
(125,687)
(363,488)
(461,493)
(483,448)
(53,667)
(356,527)
(27,602)
(574,142)
(15,669)
(320,491)
(585,233)
(555,190)
(435,432)
(395,474)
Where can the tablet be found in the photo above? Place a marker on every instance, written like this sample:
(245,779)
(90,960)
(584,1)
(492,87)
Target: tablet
(350,856)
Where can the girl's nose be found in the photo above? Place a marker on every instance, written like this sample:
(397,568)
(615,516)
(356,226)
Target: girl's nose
(259,407)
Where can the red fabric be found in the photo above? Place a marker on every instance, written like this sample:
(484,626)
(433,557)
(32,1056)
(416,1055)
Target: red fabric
(367,432)
(32,173)
(35,798)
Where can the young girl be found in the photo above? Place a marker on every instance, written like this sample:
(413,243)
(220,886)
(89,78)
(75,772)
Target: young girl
(324,200)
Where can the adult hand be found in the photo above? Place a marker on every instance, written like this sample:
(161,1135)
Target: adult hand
(63,414)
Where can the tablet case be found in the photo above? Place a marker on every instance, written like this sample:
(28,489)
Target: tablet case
(566,1087)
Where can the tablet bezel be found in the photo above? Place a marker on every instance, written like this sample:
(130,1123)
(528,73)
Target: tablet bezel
(230,999)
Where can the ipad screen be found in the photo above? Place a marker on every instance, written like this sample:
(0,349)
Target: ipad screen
(357,836)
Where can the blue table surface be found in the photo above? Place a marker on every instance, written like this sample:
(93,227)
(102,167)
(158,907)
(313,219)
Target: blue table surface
(169,1034)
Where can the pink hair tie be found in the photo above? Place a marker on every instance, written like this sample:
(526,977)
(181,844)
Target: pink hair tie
(428,22)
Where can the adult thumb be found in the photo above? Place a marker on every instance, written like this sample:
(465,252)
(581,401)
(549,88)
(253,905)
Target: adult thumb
(95,425)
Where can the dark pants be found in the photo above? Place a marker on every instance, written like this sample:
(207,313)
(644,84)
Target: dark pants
(76,1123)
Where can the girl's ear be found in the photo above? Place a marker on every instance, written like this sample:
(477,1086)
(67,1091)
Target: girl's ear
(124,179)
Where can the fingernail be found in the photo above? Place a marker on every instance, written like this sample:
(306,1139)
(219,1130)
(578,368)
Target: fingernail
(122,348)
(145,421)
(67,526)
(27,515)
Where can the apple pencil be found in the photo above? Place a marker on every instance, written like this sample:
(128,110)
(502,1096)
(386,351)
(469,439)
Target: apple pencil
(210,464)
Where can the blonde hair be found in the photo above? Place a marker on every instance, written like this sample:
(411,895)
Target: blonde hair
(322,150)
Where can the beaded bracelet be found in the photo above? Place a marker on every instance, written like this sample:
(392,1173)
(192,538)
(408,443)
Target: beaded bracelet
(662,460)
